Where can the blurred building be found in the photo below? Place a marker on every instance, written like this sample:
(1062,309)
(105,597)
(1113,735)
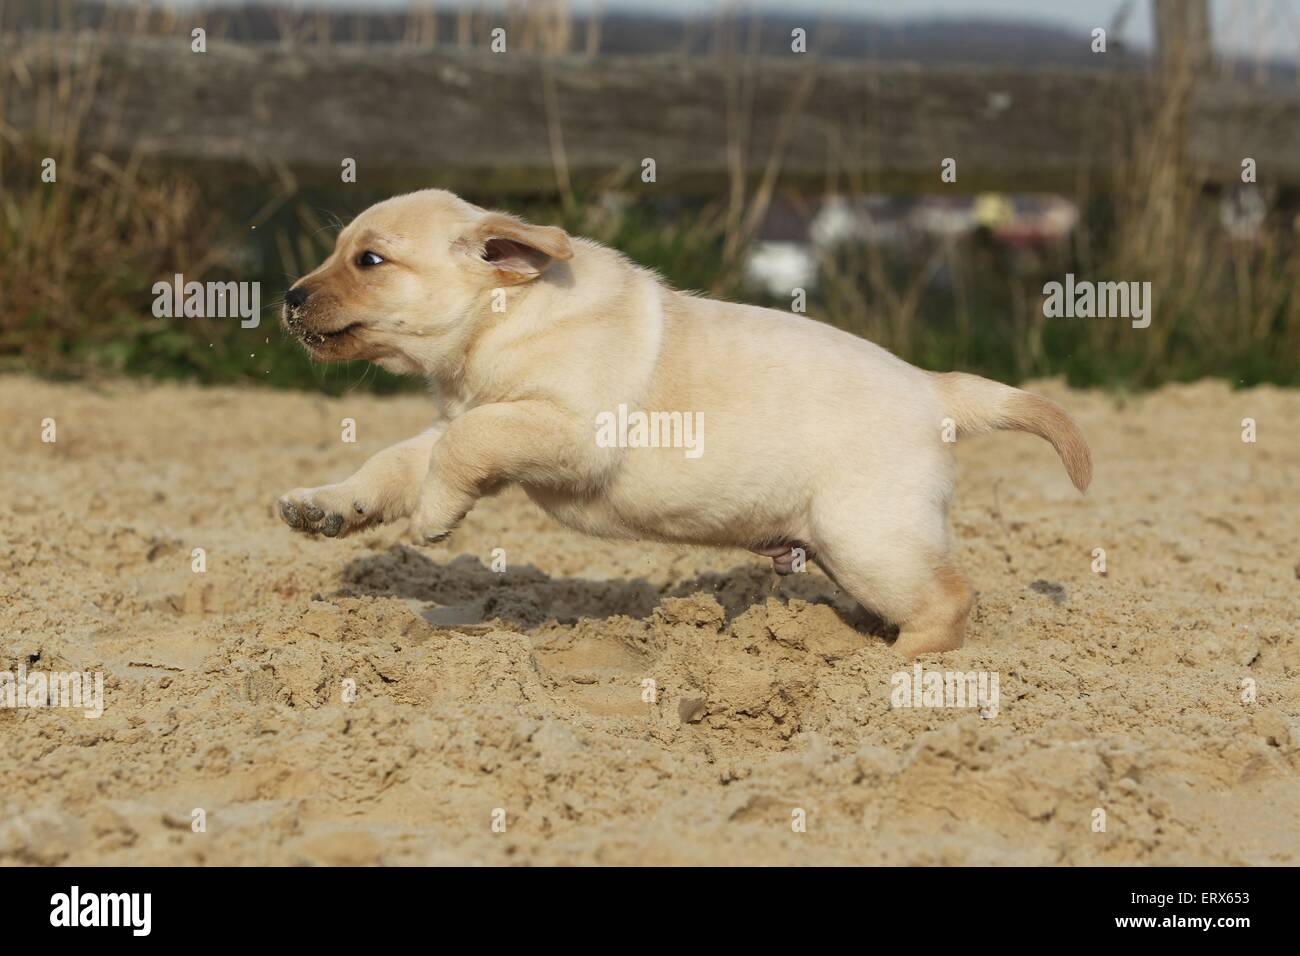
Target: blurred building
(796,234)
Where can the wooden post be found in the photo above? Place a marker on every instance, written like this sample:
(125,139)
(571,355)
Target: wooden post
(1183,57)
(1183,35)
(1160,179)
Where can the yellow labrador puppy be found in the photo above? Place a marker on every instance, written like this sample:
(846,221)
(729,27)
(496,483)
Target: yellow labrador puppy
(625,408)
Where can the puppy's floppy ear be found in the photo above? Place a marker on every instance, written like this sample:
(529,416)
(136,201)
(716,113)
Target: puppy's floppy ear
(518,251)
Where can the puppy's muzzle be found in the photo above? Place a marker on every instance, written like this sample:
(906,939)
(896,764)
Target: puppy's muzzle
(294,300)
(305,326)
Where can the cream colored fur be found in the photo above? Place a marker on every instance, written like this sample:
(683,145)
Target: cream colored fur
(813,438)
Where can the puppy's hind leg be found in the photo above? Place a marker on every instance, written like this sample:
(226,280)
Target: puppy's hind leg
(895,563)
(939,623)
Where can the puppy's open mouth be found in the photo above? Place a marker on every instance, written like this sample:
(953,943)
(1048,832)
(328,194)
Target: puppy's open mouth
(320,338)
(313,337)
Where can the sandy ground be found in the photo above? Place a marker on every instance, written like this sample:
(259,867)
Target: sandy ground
(519,696)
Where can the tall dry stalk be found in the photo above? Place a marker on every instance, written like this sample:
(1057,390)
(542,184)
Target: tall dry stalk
(84,247)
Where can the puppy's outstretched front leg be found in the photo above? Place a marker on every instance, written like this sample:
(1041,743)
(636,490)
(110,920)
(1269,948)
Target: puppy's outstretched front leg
(386,488)
(533,442)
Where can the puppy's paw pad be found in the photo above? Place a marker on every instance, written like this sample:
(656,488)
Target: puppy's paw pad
(290,513)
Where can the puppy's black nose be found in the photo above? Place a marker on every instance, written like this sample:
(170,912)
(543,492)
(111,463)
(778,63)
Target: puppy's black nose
(296,296)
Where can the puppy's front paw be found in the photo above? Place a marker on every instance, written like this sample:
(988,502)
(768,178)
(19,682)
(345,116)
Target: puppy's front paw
(333,510)
(429,527)
(428,534)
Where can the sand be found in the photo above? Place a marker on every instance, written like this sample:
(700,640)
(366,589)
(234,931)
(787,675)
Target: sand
(504,718)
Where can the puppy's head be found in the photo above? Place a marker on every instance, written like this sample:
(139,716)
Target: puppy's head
(408,279)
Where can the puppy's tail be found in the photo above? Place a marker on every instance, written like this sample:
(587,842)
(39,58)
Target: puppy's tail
(980,405)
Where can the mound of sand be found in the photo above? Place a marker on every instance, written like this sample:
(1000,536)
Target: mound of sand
(524,696)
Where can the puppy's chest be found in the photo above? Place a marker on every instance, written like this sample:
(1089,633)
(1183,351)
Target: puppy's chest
(450,405)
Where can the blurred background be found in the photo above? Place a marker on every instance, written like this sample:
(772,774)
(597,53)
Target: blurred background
(744,150)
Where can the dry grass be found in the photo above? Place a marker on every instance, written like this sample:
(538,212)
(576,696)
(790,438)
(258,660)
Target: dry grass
(80,251)
(1223,306)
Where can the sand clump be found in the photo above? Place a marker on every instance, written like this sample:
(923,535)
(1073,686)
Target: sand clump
(364,701)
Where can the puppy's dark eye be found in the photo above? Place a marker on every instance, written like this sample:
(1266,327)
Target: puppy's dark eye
(368,259)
